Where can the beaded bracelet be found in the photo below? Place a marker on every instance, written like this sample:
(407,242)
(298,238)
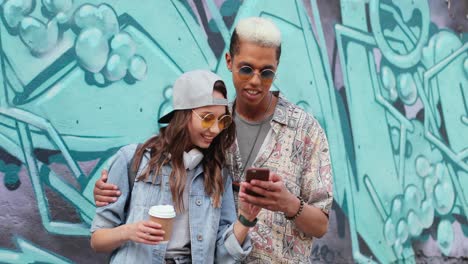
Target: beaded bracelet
(301,207)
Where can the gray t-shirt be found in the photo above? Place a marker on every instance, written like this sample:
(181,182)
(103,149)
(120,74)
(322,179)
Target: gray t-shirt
(250,137)
(179,244)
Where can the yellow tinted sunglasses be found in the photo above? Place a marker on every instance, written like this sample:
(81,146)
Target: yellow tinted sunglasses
(209,119)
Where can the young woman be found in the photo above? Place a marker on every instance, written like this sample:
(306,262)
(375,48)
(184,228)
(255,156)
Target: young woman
(182,166)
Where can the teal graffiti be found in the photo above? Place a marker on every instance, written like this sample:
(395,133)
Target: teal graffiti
(51,101)
(29,253)
(100,47)
(418,176)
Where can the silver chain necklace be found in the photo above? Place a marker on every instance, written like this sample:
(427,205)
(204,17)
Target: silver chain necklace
(258,134)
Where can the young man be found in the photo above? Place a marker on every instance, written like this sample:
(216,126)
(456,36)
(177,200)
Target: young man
(276,134)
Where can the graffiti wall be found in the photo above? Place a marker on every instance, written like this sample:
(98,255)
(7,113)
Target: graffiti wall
(388,80)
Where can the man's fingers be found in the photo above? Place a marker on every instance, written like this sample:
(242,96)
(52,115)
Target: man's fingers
(102,184)
(105,186)
(247,186)
(104,175)
(99,204)
(110,193)
(256,201)
(104,199)
(260,191)
(243,186)
(267,185)
(275,177)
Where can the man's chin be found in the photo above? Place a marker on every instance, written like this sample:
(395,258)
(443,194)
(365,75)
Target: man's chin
(249,101)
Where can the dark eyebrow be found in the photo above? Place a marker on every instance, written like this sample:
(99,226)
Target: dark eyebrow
(269,67)
(245,64)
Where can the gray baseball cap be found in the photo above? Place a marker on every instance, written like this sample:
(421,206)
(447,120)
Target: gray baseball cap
(194,89)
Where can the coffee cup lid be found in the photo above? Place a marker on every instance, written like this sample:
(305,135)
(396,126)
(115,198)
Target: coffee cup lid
(162,211)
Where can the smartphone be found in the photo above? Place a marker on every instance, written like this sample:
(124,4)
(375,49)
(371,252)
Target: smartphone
(261,174)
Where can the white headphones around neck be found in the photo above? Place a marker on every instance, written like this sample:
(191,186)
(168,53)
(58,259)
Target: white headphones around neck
(192,158)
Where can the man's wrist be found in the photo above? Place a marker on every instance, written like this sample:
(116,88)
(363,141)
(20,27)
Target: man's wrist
(292,210)
(299,210)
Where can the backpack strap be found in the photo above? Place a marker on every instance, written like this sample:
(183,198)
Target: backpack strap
(131,173)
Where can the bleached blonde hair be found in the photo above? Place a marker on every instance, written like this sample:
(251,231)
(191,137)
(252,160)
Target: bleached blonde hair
(258,30)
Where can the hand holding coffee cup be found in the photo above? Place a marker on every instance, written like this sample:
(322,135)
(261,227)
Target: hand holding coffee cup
(145,232)
(163,215)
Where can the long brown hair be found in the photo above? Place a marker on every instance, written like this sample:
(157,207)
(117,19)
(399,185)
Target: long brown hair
(170,145)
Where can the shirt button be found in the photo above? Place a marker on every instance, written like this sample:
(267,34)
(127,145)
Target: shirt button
(200,237)
(198,202)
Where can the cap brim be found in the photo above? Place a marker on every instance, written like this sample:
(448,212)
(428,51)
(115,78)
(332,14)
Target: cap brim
(166,118)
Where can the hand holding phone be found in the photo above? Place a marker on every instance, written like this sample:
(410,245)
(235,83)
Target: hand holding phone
(261,174)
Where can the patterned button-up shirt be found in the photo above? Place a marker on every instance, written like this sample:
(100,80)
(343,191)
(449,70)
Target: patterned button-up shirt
(296,148)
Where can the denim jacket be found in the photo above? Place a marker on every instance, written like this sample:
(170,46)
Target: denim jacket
(211,229)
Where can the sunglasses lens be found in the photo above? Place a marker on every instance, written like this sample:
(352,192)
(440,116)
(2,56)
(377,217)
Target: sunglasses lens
(245,72)
(208,120)
(267,77)
(224,122)
(268,74)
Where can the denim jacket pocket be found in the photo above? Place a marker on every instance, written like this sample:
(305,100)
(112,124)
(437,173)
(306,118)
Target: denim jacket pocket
(159,251)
